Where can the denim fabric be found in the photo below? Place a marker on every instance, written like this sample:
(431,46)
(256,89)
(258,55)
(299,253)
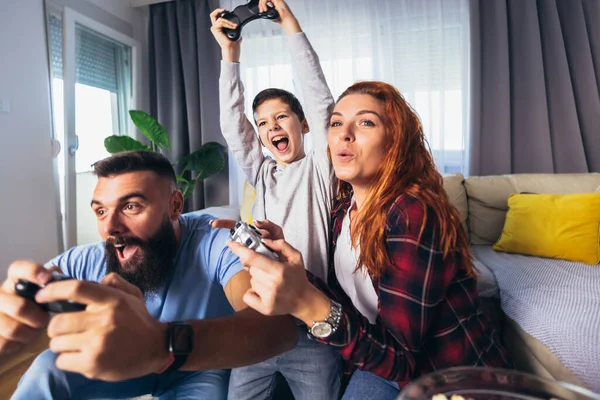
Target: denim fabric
(312,370)
(43,381)
(365,385)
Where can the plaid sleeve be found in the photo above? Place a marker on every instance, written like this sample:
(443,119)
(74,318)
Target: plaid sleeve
(409,291)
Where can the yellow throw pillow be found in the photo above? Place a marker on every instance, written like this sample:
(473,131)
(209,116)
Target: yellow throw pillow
(564,226)
(248,197)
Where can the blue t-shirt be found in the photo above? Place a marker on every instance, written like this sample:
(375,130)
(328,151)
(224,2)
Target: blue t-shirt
(203,266)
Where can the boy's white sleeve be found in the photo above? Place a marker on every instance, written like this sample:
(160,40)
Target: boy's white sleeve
(237,130)
(318,100)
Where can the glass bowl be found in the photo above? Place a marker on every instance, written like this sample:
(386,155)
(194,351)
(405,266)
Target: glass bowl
(482,383)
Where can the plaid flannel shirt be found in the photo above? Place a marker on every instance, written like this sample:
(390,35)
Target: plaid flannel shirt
(428,308)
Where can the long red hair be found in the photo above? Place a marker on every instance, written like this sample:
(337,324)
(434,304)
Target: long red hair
(408,167)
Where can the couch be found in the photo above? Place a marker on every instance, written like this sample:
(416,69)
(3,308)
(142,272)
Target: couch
(482,203)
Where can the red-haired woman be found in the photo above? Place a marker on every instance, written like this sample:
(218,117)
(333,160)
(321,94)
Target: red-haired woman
(401,299)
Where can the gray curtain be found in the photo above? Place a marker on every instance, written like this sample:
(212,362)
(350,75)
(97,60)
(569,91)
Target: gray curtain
(183,73)
(535,86)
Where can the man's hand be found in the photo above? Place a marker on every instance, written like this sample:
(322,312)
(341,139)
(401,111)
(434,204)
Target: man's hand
(21,320)
(286,19)
(230,50)
(116,281)
(114,339)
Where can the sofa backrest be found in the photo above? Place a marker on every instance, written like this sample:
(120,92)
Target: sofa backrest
(482,201)
(453,184)
(488,197)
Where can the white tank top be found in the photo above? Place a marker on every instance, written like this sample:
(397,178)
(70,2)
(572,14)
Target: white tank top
(357,285)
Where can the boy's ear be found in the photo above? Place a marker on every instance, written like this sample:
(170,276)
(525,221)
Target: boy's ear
(305,128)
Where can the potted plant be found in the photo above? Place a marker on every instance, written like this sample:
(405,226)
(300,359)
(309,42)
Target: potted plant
(208,160)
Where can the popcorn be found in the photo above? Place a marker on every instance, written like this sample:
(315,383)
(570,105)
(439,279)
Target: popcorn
(440,396)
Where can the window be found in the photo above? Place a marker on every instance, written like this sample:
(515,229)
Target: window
(92,92)
(102,90)
(419,46)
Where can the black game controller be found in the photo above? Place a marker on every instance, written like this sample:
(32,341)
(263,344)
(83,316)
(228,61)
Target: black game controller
(243,14)
(28,290)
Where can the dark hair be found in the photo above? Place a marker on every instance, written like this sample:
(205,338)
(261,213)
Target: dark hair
(132,161)
(283,95)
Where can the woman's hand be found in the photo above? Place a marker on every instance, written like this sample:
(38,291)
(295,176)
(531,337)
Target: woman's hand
(286,19)
(281,287)
(230,49)
(278,287)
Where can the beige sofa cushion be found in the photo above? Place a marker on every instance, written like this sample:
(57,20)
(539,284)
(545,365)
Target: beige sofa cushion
(488,196)
(530,355)
(453,184)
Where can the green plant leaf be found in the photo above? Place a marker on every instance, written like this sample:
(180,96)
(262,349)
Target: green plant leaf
(116,144)
(150,127)
(208,160)
(187,189)
(181,179)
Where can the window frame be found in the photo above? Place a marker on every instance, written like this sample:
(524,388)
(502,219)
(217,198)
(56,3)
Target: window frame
(70,18)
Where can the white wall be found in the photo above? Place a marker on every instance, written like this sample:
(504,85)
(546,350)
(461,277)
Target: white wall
(29,211)
(106,12)
(119,8)
(87,227)
(28,227)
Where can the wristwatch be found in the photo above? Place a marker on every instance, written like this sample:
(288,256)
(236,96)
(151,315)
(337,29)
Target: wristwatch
(180,343)
(324,329)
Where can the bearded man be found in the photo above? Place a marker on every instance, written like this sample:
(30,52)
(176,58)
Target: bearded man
(155,268)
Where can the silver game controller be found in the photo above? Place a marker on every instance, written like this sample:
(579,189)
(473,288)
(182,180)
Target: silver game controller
(249,236)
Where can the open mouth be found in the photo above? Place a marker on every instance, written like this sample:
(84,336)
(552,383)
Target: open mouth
(281,143)
(125,251)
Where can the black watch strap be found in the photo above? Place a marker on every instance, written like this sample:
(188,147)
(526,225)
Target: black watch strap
(176,364)
(180,343)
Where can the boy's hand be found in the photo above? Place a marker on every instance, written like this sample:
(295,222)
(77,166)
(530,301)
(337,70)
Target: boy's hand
(230,50)
(267,229)
(287,20)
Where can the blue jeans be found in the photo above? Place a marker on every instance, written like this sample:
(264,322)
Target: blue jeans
(313,371)
(44,381)
(365,385)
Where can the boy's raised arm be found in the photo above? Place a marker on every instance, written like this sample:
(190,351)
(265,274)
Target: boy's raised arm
(317,98)
(236,128)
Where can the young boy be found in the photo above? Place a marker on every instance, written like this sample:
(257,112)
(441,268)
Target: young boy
(294,190)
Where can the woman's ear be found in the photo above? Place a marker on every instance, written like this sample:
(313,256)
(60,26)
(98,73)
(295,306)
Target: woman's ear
(176,206)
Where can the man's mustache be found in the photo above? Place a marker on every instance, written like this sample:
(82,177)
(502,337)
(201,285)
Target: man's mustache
(123,240)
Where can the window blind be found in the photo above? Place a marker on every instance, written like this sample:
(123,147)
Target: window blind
(96,56)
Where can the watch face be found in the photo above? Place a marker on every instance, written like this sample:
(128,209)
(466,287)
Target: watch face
(321,329)
(182,339)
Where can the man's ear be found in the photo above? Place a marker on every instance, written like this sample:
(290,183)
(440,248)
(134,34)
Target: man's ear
(176,206)
(305,128)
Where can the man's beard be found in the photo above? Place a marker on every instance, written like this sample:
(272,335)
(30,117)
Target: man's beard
(152,264)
